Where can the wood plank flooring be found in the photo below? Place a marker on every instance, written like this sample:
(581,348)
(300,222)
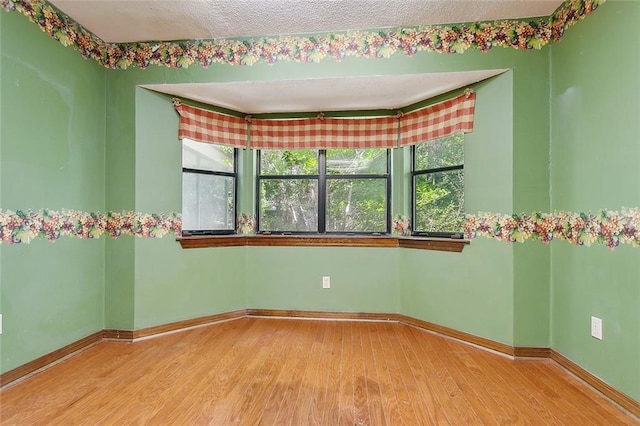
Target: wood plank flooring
(257,371)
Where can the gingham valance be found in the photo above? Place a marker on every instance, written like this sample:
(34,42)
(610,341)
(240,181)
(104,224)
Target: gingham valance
(211,127)
(439,120)
(324,133)
(433,122)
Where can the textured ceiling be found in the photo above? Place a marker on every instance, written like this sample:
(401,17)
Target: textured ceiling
(325,94)
(164,20)
(156,20)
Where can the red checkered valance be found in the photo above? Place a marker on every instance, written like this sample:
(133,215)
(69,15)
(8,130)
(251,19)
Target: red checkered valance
(439,120)
(433,122)
(324,133)
(211,127)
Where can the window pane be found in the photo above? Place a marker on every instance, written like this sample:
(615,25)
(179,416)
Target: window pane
(290,162)
(438,153)
(207,202)
(356,205)
(439,201)
(206,156)
(289,205)
(357,161)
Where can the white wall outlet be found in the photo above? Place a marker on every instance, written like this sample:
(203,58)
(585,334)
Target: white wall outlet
(0,323)
(596,328)
(326,282)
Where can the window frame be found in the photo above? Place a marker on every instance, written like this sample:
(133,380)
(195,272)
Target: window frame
(234,175)
(322,178)
(414,174)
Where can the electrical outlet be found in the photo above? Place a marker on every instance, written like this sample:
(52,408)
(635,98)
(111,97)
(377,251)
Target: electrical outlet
(326,282)
(596,328)
(0,323)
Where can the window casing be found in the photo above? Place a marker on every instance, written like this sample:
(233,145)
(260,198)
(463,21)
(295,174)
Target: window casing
(437,187)
(209,188)
(337,191)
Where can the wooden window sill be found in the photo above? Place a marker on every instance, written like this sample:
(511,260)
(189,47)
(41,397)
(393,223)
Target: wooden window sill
(421,243)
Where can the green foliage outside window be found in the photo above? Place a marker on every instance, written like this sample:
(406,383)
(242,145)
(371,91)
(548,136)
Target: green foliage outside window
(289,162)
(340,190)
(438,179)
(355,192)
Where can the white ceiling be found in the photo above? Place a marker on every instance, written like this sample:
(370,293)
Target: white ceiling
(325,94)
(164,20)
(157,20)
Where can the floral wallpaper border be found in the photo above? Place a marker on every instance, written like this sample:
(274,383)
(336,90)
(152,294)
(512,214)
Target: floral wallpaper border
(604,227)
(607,227)
(246,224)
(517,34)
(24,226)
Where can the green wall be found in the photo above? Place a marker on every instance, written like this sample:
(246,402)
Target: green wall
(52,156)
(531,158)
(559,130)
(119,196)
(472,291)
(397,277)
(362,279)
(173,284)
(1,134)
(595,152)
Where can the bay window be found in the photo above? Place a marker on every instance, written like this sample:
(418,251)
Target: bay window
(208,188)
(437,174)
(324,191)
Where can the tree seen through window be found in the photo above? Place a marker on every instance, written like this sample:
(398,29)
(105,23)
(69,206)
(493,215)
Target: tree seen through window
(438,186)
(341,190)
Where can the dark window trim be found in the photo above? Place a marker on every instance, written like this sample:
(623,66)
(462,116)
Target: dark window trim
(290,177)
(208,172)
(322,191)
(193,233)
(322,177)
(436,169)
(233,175)
(415,173)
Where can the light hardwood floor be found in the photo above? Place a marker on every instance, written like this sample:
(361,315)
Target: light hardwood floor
(253,371)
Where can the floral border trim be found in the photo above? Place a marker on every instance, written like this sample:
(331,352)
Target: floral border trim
(401,225)
(246,224)
(25,226)
(531,34)
(583,229)
(606,227)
